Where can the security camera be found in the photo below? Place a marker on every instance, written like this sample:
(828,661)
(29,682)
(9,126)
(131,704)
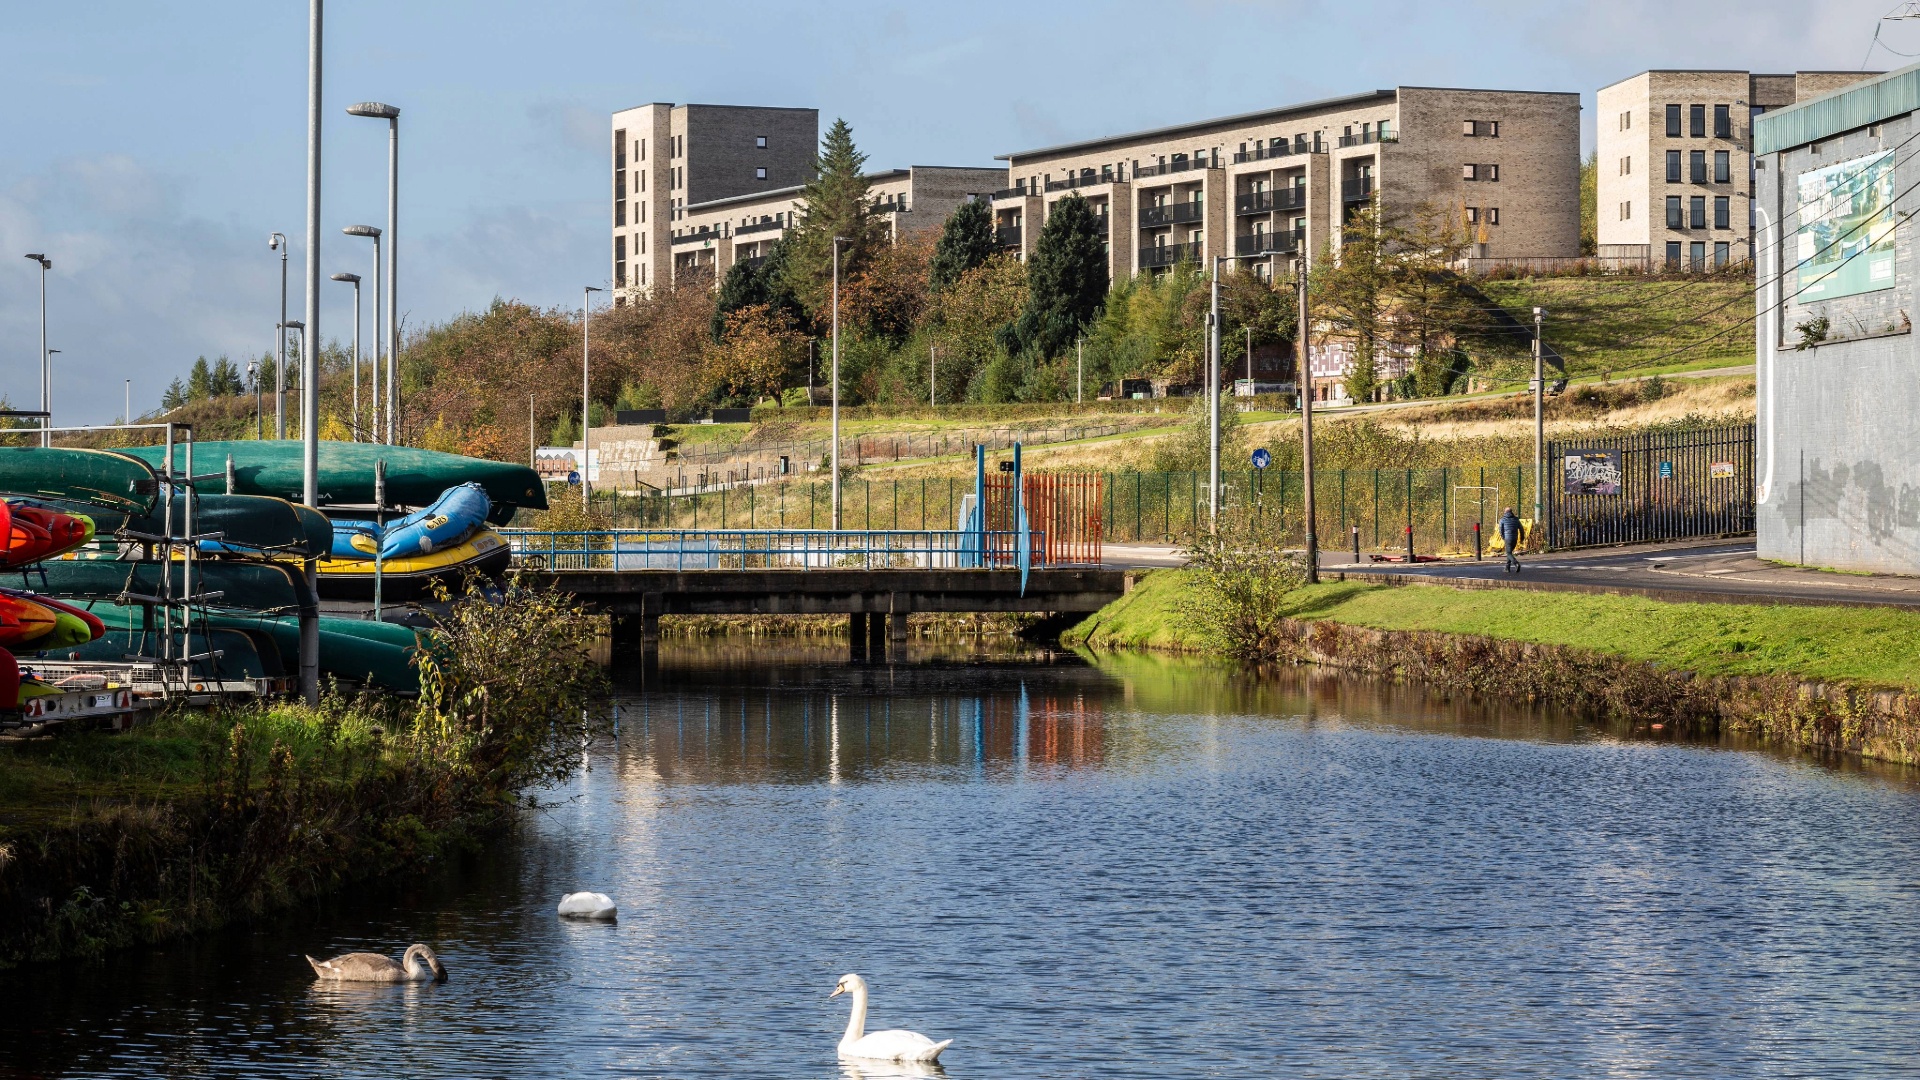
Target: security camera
(273,242)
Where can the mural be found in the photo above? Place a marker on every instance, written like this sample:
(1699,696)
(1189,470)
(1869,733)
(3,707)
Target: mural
(1846,228)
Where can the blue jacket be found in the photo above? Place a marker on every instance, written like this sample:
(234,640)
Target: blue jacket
(1509,528)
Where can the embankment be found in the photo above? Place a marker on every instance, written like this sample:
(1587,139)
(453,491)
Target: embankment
(1834,679)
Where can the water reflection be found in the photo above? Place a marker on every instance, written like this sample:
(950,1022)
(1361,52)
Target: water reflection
(1128,868)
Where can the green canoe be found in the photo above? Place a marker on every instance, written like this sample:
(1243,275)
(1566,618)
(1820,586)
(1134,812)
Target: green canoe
(351,650)
(246,586)
(414,477)
(95,478)
(248,521)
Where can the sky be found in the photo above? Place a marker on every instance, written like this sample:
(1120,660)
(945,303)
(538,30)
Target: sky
(149,149)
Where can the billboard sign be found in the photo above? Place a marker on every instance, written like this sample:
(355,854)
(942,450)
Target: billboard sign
(1591,472)
(1846,228)
(555,463)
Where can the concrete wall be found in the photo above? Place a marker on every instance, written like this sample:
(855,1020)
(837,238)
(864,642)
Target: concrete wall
(1839,436)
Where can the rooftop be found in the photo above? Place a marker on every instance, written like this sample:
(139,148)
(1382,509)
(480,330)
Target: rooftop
(1894,94)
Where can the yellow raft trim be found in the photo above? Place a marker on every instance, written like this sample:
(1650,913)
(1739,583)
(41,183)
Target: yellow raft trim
(480,544)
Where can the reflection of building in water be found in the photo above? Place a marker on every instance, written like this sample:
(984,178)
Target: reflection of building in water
(802,737)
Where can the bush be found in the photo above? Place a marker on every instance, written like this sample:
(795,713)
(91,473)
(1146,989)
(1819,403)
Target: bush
(1241,579)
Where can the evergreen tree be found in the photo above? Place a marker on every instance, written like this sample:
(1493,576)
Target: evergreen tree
(200,381)
(1352,295)
(837,205)
(226,381)
(965,242)
(1067,279)
(175,396)
(764,285)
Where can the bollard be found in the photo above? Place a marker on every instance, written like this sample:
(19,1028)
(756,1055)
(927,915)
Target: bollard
(1356,542)
(1409,543)
(1476,540)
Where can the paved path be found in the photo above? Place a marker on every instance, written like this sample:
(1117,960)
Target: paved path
(1702,571)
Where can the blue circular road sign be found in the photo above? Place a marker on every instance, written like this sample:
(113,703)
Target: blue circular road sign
(1261,459)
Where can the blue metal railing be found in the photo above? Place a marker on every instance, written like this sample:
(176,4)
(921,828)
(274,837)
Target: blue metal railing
(775,549)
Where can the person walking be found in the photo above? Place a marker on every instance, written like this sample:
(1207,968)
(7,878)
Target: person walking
(1510,539)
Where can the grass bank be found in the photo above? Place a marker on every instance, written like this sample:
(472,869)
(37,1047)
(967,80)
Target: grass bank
(1821,677)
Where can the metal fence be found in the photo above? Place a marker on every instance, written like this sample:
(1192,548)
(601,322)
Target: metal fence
(770,549)
(1644,488)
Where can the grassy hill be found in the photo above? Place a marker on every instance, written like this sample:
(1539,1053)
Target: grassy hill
(1624,326)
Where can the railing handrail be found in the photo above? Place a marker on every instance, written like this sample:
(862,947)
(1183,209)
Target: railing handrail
(779,549)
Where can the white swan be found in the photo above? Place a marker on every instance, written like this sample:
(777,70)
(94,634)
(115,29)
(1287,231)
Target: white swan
(373,967)
(588,905)
(893,1045)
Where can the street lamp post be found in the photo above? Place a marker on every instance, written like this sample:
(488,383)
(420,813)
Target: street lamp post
(1539,419)
(253,376)
(1213,400)
(354,365)
(46,375)
(586,409)
(1303,382)
(372,233)
(278,242)
(837,241)
(127,412)
(391,115)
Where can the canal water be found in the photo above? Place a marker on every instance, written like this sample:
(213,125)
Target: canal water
(1137,868)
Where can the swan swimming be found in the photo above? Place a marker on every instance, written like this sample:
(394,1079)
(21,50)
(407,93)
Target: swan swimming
(588,905)
(373,967)
(892,1045)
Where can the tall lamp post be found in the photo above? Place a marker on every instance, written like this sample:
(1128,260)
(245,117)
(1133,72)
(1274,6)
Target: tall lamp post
(1303,381)
(391,115)
(372,233)
(354,365)
(253,376)
(46,375)
(837,241)
(278,242)
(586,409)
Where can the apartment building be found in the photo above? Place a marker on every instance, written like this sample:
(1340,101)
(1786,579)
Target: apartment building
(1277,186)
(711,236)
(668,158)
(1675,184)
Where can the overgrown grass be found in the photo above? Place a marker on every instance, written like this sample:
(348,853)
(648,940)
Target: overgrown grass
(1865,647)
(1626,325)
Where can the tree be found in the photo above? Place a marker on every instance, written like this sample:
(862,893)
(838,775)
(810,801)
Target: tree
(762,283)
(175,396)
(837,205)
(755,356)
(1432,307)
(1590,204)
(200,381)
(226,380)
(965,242)
(1067,278)
(1352,294)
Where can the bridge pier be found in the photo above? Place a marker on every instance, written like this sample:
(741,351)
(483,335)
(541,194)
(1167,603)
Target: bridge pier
(877,638)
(857,636)
(897,628)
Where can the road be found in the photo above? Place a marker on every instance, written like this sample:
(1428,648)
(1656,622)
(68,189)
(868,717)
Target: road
(1708,571)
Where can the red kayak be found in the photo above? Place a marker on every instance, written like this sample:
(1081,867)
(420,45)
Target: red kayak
(22,620)
(57,534)
(9,681)
(94,625)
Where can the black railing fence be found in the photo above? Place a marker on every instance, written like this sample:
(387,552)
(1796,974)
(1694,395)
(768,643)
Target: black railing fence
(1657,486)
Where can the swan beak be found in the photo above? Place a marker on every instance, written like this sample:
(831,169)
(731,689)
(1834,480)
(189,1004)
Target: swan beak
(837,991)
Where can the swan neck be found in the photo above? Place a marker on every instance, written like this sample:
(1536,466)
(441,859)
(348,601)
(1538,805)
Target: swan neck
(857,1023)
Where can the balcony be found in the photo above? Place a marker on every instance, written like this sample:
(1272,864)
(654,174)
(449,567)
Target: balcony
(1268,243)
(1087,178)
(1267,151)
(759,226)
(1103,224)
(1007,236)
(1359,189)
(697,236)
(1261,202)
(1171,214)
(1170,254)
(1177,165)
(1008,193)
(1365,137)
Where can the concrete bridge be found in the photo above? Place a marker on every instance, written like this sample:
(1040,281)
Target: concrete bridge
(875,601)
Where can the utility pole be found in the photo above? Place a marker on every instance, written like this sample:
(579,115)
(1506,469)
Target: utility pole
(1079,370)
(933,383)
(586,414)
(1213,401)
(837,241)
(1304,379)
(1539,419)
(1249,361)
(310,354)
(533,452)
(46,376)
(278,242)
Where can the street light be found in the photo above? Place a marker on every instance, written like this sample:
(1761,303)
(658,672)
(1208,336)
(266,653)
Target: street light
(354,364)
(127,418)
(586,414)
(46,377)
(278,242)
(280,389)
(253,376)
(373,233)
(48,421)
(391,115)
(837,241)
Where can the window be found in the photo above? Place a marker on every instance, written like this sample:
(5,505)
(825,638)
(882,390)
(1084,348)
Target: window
(1697,121)
(1722,167)
(620,149)
(1676,217)
(1673,166)
(759,142)
(1473,215)
(642,155)
(1626,211)
(760,173)
(1721,250)
(1475,129)
(1673,254)
(1673,132)
(1722,122)
(620,213)
(1493,129)
(1697,166)
(1493,215)
(1492,172)
(1469,128)
(1697,212)
(1697,255)
(1722,212)
(1626,120)
(1626,166)
(1469,172)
